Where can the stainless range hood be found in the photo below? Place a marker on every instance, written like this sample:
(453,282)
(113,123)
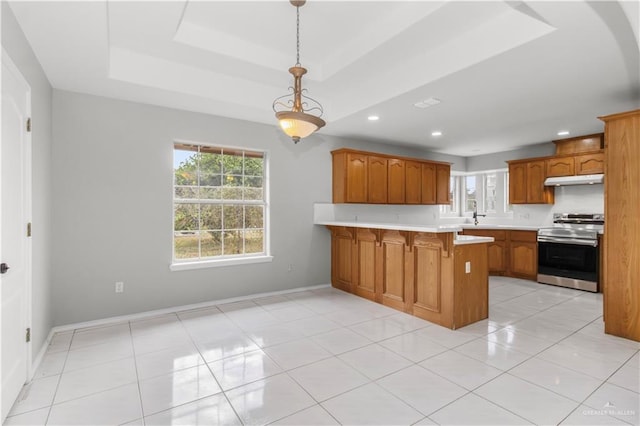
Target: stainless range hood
(574,180)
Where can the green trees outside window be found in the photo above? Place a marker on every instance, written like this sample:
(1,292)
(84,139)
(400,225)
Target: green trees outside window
(219,202)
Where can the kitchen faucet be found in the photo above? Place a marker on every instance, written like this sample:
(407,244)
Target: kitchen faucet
(475,213)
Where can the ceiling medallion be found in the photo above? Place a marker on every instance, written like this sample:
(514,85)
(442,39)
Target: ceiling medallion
(293,110)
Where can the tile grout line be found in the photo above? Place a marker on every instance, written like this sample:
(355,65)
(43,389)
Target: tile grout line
(135,365)
(224,392)
(60,378)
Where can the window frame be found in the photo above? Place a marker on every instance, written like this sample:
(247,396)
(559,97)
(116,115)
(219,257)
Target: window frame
(502,195)
(224,260)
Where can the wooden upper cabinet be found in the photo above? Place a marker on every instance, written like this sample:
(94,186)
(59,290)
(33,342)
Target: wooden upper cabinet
(579,164)
(349,177)
(368,177)
(579,144)
(537,193)
(526,183)
(443,173)
(396,181)
(561,166)
(518,183)
(428,183)
(413,182)
(590,164)
(377,180)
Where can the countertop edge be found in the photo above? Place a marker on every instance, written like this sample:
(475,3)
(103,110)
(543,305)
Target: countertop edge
(392,226)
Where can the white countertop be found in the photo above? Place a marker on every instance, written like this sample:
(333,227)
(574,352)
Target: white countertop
(505,227)
(394,226)
(458,239)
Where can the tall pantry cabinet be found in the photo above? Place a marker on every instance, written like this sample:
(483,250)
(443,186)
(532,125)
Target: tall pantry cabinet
(622,226)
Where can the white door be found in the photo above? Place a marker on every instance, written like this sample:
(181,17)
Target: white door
(15,201)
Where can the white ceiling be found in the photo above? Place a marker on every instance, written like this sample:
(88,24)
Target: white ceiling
(508,74)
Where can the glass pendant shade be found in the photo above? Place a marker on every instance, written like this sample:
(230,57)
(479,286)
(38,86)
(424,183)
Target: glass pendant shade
(298,125)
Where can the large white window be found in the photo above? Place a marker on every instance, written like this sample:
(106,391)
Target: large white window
(487,191)
(219,203)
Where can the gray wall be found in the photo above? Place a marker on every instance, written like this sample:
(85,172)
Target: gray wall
(112,177)
(497,160)
(16,45)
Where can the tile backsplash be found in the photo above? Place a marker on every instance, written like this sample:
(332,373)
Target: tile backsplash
(568,199)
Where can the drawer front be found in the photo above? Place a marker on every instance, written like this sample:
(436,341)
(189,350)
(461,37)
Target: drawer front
(526,236)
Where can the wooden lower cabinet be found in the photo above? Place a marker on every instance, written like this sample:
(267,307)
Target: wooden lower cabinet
(523,260)
(513,253)
(429,259)
(470,297)
(366,247)
(523,254)
(343,248)
(422,274)
(393,244)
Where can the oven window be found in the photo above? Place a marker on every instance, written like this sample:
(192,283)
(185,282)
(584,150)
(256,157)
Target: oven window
(568,260)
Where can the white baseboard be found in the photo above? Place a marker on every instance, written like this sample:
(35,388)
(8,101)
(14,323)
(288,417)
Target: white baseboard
(38,359)
(157,312)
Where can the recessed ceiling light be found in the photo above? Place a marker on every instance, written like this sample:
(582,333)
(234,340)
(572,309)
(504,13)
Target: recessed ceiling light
(427,103)
(563,133)
(436,133)
(373,118)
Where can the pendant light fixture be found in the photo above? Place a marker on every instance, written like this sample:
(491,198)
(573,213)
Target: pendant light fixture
(293,110)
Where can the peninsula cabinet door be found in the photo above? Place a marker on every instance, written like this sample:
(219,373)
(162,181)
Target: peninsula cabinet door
(367,242)
(377,180)
(413,182)
(342,250)
(427,282)
(393,270)
(396,177)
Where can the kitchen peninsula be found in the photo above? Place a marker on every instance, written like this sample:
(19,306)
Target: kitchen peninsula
(427,271)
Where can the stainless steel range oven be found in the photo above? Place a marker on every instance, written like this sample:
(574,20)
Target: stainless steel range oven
(568,252)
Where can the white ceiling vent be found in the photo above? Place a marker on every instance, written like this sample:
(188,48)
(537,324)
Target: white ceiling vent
(427,103)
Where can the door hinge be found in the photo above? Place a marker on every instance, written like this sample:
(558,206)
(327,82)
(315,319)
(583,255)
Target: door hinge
(29,229)
(29,124)
(28,336)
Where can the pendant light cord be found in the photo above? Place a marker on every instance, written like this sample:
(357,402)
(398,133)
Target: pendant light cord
(297,35)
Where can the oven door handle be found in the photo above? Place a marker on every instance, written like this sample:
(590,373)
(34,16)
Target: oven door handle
(577,241)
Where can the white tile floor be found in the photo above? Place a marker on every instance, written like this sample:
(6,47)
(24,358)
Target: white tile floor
(327,357)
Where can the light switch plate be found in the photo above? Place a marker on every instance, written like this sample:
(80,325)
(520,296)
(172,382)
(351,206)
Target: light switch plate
(467,267)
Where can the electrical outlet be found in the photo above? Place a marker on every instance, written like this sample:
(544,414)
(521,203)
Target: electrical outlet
(290,268)
(119,287)
(467,267)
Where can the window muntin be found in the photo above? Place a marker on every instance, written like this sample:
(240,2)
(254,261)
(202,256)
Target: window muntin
(220,204)
(488,189)
(470,192)
(490,192)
